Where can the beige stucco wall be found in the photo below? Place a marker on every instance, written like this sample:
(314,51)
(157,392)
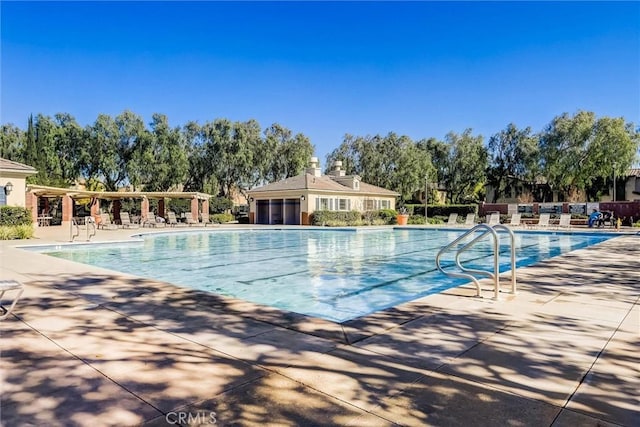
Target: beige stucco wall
(17,195)
(309,204)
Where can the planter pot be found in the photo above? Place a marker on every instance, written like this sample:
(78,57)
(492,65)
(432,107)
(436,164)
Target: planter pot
(402,219)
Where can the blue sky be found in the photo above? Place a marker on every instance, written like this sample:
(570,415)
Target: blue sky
(324,69)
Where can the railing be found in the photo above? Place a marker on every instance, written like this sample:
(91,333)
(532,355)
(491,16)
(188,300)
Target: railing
(469,273)
(74,223)
(90,227)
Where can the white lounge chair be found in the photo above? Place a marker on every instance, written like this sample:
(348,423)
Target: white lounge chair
(565,221)
(453,219)
(544,220)
(493,219)
(515,220)
(470,220)
(6,286)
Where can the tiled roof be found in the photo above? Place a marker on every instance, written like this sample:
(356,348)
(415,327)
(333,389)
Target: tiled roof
(324,183)
(9,165)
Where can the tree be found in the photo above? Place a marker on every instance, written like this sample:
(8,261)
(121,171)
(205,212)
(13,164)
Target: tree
(101,160)
(468,161)
(163,152)
(291,153)
(12,141)
(579,152)
(513,159)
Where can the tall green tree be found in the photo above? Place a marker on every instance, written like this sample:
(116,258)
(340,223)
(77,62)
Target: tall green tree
(513,156)
(291,152)
(468,162)
(12,143)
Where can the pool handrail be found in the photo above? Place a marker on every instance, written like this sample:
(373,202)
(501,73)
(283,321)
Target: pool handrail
(466,271)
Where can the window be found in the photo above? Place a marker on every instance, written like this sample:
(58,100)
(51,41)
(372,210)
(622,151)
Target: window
(3,197)
(384,204)
(343,204)
(322,204)
(369,205)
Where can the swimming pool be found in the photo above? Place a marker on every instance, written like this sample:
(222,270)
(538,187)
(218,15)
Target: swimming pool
(335,275)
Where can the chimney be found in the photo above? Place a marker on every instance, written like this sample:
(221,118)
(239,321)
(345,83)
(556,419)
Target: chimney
(337,169)
(314,167)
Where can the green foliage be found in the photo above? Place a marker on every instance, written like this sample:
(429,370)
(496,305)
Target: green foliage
(220,204)
(336,218)
(13,232)
(221,218)
(513,159)
(637,224)
(14,216)
(442,210)
(416,220)
(392,162)
(179,206)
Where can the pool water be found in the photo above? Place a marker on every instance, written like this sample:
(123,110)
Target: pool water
(335,275)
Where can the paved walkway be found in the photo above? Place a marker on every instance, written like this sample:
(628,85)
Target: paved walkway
(91,347)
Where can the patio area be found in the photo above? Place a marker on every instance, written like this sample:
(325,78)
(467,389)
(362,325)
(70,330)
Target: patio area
(92,347)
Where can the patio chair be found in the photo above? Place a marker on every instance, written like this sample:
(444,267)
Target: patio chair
(125,219)
(190,220)
(453,219)
(105,222)
(515,220)
(565,221)
(493,219)
(152,221)
(470,220)
(206,220)
(172,221)
(9,285)
(544,220)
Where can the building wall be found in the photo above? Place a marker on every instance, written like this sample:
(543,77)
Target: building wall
(334,201)
(17,197)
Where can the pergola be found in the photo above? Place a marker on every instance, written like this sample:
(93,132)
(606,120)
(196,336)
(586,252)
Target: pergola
(199,201)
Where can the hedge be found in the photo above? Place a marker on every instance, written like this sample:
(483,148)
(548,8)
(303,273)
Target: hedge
(221,218)
(14,215)
(442,210)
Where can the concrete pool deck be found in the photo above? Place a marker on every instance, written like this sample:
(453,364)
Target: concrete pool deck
(92,347)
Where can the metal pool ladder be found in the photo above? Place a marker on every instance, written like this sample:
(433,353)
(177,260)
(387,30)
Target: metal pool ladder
(470,273)
(75,225)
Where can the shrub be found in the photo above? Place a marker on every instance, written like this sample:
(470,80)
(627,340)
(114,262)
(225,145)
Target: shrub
(637,224)
(221,218)
(416,220)
(14,215)
(220,204)
(12,232)
(442,210)
(336,218)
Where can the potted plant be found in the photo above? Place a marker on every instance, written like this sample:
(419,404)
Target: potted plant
(403,216)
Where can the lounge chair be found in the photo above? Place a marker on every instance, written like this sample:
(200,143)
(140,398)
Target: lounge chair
(544,220)
(9,285)
(152,221)
(515,220)
(565,221)
(470,220)
(172,221)
(453,219)
(493,219)
(189,219)
(206,220)
(105,222)
(125,220)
